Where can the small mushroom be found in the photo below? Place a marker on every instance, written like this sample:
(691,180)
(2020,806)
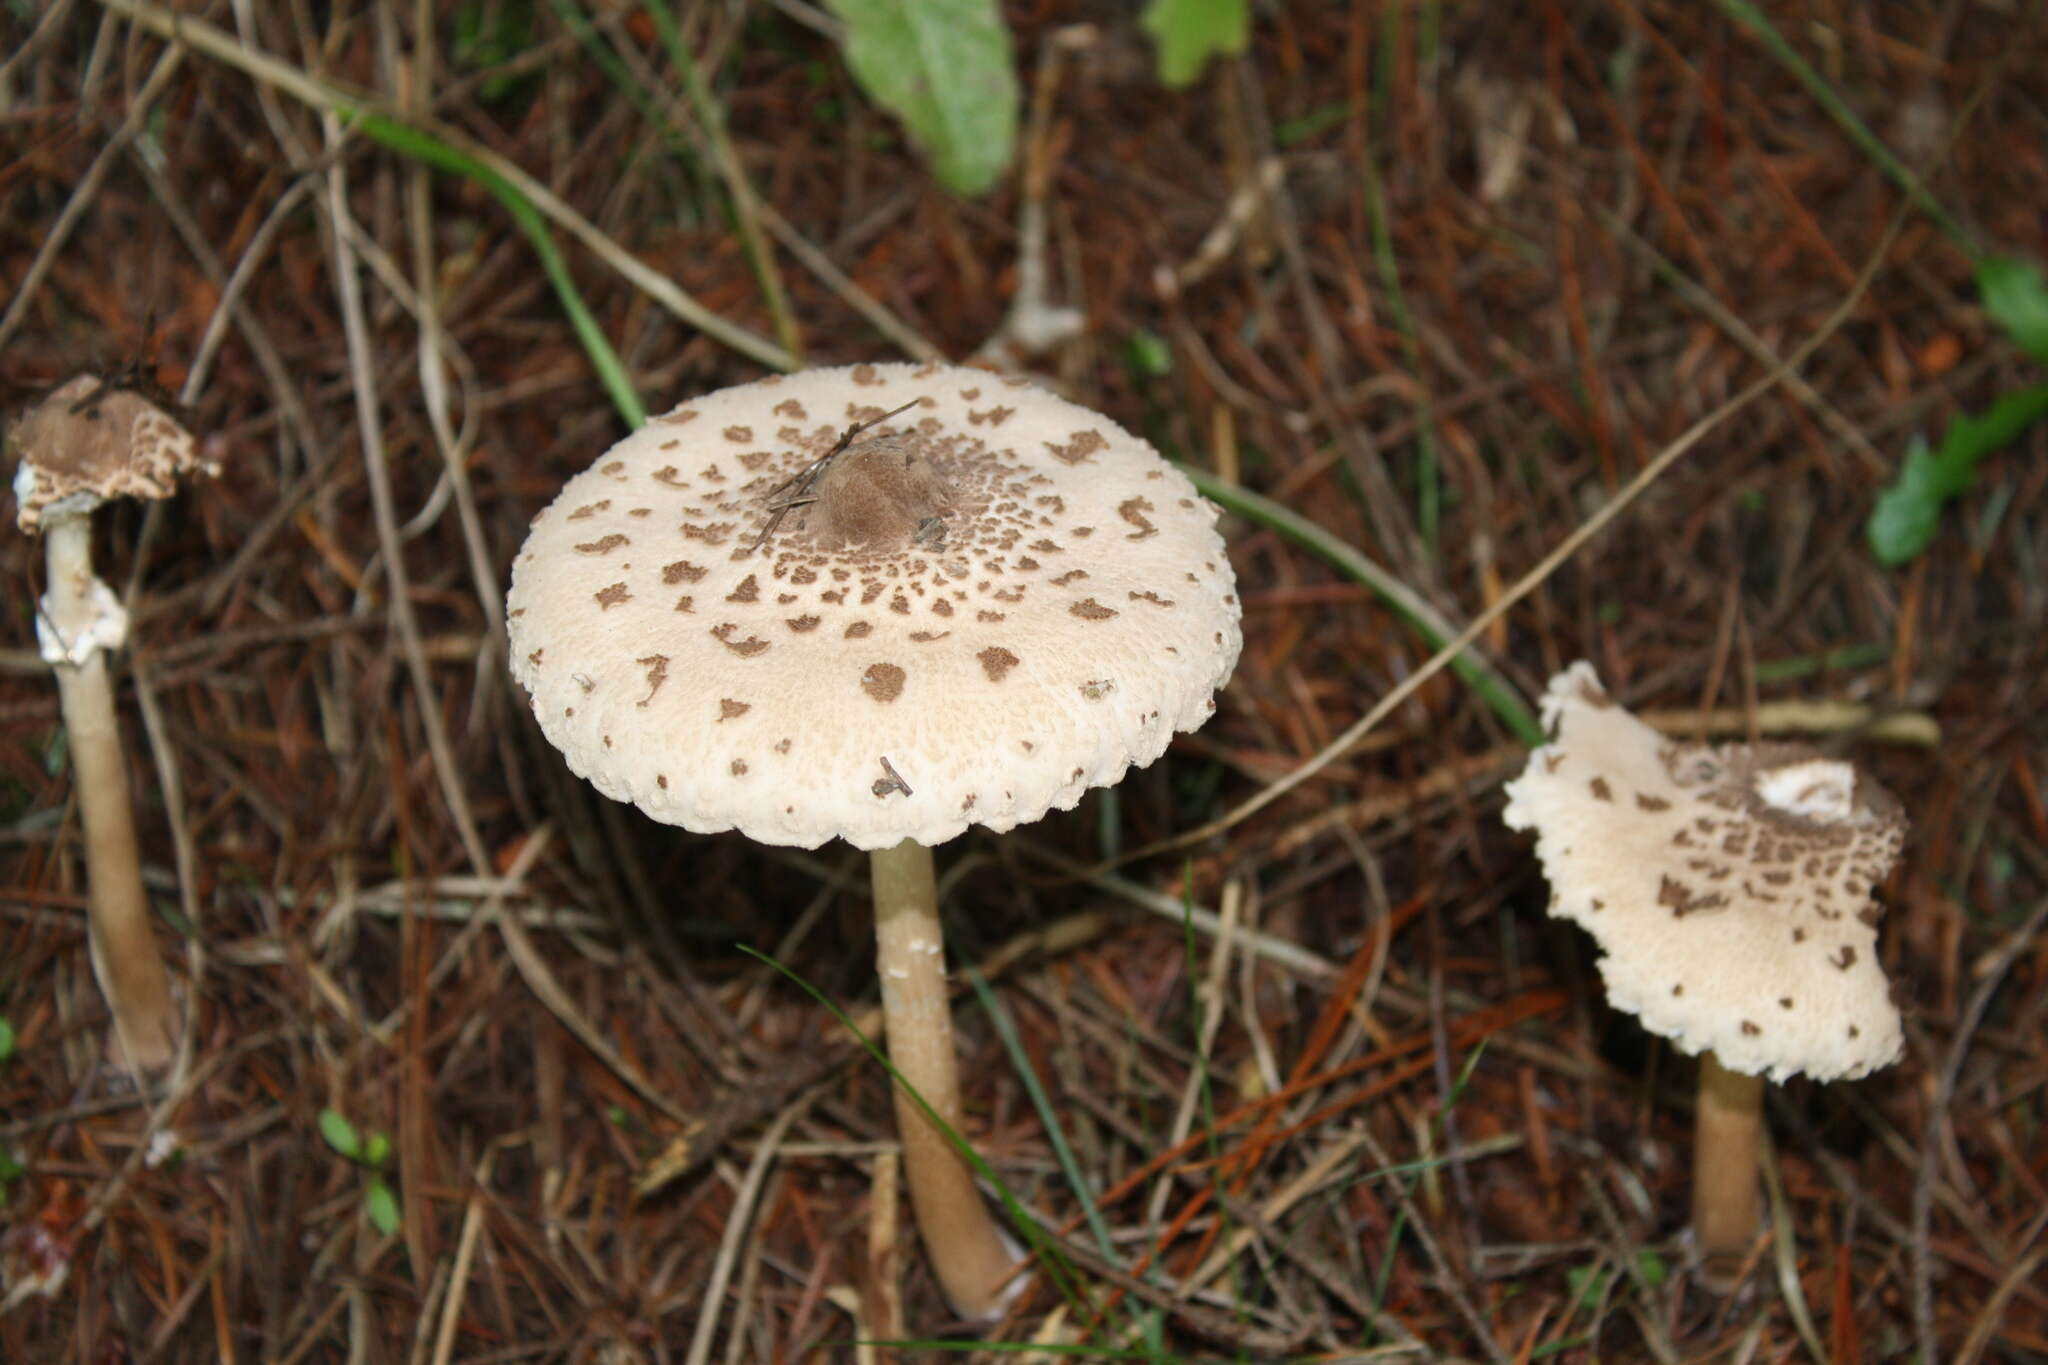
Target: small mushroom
(1729,890)
(84,443)
(878,604)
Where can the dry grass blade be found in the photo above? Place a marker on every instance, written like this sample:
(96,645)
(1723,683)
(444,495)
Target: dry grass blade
(212,42)
(736,1225)
(1938,1116)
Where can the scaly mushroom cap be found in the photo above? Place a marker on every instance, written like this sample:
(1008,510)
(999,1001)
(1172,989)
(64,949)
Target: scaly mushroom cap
(991,603)
(1729,889)
(83,445)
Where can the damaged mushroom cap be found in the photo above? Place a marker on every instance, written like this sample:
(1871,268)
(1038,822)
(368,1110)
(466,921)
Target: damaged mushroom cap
(85,443)
(1729,889)
(992,601)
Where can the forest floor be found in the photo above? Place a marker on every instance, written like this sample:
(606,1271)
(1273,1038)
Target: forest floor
(1426,293)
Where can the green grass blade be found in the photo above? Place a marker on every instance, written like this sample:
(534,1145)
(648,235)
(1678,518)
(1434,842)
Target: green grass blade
(1078,1350)
(611,371)
(1428,471)
(712,119)
(1825,95)
(1006,1030)
(1050,1258)
(1496,691)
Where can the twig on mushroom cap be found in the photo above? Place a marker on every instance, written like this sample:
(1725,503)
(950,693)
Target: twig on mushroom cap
(807,478)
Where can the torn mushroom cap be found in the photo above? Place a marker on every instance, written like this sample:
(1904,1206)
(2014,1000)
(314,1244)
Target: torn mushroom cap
(995,601)
(84,444)
(1729,889)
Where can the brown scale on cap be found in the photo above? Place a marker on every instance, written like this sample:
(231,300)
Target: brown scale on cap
(883,682)
(1733,880)
(997,661)
(92,440)
(657,674)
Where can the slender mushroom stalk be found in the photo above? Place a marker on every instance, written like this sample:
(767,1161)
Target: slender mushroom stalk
(1729,890)
(881,604)
(87,442)
(1727,1138)
(967,1250)
(80,616)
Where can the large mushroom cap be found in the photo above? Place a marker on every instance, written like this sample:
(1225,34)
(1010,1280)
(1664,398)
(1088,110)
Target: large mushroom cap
(1730,889)
(997,600)
(85,443)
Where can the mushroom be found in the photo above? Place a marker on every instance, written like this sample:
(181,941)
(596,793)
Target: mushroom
(878,603)
(1729,890)
(86,442)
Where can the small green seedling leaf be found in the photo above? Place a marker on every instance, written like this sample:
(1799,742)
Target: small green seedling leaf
(6,1040)
(2016,297)
(1190,32)
(340,1135)
(1907,513)
(945,68)
(382,1206)
(377,1151)
(1149,355)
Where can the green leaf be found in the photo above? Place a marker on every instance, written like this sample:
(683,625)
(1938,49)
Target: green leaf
(944,67)
(340,1134)
(1904,518)
(1149,354)
(382,1206)
(2017,299)
(376,1151)
(1190,32)
(1907,513)
(6,1040)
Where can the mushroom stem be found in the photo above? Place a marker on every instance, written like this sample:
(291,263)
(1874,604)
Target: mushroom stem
(1727,1136)
(966,1249)
(124,952)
